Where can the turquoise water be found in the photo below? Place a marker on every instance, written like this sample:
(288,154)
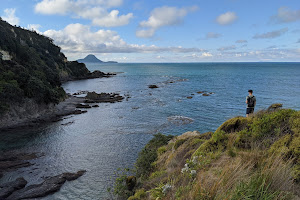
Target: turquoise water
(109,137)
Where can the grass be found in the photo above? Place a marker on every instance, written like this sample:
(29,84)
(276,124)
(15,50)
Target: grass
(245,158)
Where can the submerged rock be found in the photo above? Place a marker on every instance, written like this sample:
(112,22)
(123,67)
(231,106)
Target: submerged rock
(78,112)
(8,188)
(189,97)
(152,86)
(49,186)
(180,120)
(83,106)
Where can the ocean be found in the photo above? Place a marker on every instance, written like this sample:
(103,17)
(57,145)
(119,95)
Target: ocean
(110,136)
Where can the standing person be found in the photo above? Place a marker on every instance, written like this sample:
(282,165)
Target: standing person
(251,102)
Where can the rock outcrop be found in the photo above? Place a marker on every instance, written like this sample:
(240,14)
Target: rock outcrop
(49,186)
(10,187)
(93,97)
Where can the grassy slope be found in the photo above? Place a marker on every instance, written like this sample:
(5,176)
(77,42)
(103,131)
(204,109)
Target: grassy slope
(245,158)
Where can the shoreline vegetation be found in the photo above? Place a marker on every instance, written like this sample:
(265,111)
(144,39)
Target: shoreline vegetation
(32,71)
(245,158)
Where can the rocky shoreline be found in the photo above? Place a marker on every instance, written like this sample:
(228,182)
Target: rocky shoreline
(53,113)
(18,189)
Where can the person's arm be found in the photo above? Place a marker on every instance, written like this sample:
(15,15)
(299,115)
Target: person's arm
(254,101)
(246,100)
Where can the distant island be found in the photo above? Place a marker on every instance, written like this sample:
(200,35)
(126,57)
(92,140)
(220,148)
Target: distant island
(93,59)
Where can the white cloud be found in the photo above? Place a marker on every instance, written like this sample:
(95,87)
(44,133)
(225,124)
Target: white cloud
(10,17)
(226,18)
(286,15)
(76,38)
(227,48)
(34,27)
(211,35)
(95,10)
(112,19)
(160,17)
(272,34)
(241,41)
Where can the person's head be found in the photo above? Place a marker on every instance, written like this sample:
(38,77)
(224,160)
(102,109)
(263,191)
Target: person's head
(250,92)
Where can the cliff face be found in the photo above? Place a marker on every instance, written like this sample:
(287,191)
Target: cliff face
(245,158)
(32,69)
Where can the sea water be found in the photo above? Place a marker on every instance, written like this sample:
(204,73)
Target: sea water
(110,136)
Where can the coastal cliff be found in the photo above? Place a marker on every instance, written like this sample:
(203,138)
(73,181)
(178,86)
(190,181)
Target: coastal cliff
(32,69)
(245,158)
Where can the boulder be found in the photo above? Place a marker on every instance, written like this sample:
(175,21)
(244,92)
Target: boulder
(130,182)
(152,86)
(103,97)
(189,97)
(49,186)
(78,112)
(8,188)
(12,160)
(83,106)
(205,94)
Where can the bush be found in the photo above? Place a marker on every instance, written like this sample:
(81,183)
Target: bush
(149,154)
(139,194)
(178,143)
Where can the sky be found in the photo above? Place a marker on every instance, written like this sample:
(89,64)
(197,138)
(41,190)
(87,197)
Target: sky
(165,30)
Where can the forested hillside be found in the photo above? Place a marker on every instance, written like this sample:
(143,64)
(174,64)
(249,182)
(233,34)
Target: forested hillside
(32,66)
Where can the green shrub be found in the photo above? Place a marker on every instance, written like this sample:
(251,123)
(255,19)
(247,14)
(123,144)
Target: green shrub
(161,150)
(138,195)
(233,125)
(178,143)
(149,154)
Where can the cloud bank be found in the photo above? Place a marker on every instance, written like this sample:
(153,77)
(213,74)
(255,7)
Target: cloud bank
(10,17)
(161,17)
(272,34)
(76,38)
(95,10)
(286,15)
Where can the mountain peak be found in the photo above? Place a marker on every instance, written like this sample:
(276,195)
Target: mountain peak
(93,59)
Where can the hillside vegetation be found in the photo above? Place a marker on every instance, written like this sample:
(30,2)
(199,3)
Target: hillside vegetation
(31,66)
(245,158)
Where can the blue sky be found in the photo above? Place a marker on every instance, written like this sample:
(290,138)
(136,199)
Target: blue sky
(165,30)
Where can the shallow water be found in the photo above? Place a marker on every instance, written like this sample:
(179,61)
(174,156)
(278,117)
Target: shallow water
(109,137)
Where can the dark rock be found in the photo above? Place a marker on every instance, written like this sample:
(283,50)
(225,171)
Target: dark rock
(200,92)
(103,97)
(95,106)
(12,160)
(274,107)
(8,188)
(78,112)
(189,97)
(89,101)
(49,186)
(205,94)
(152,86)
(83,106)
(1,175)
(130,182)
